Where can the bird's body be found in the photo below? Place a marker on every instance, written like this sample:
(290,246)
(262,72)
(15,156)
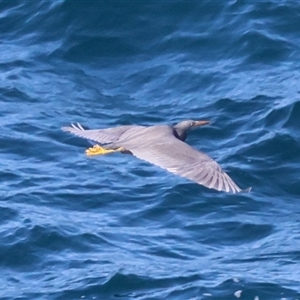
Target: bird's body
(161,145)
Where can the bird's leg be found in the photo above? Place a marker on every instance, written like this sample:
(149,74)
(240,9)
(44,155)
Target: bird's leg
(98,150)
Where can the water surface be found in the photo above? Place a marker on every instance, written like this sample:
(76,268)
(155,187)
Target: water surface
(114,227)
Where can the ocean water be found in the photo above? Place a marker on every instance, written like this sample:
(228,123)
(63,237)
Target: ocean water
(114,227)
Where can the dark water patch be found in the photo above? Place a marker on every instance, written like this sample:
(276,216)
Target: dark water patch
(288,257)
(263,49)
(19,255)
(293,121)
(13,95)
(232,232)
(128,286)
(281,147)
(226,208)
(93,47)
(239,108)
(7,214)
(53,240)
(277,117)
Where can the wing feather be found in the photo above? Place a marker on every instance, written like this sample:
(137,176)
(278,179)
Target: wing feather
(102,136)
(181,159)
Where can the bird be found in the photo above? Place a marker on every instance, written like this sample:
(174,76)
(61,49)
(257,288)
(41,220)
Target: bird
(163,146)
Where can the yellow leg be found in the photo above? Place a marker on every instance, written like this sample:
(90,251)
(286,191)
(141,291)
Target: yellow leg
(98,150)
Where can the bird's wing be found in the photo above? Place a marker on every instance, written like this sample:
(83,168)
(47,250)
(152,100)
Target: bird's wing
(179,158)
(102,136)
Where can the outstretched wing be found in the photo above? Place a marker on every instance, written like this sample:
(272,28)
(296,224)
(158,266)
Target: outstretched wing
(102,136)
(179,158)
(160,147)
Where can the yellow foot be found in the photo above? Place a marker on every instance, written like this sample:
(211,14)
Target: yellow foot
(98,150)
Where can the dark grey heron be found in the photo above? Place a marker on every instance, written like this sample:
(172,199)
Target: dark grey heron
(163,146)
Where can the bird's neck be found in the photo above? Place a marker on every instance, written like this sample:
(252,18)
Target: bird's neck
(180,134)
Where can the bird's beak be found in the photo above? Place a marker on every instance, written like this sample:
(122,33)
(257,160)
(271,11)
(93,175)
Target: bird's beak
(201,123)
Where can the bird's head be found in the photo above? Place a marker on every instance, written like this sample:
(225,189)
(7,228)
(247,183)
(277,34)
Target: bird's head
(182,127)
(188,124)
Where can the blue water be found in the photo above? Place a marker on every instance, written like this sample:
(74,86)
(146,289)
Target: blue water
(114,227)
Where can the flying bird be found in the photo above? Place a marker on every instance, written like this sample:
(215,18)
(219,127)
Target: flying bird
(163,146)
